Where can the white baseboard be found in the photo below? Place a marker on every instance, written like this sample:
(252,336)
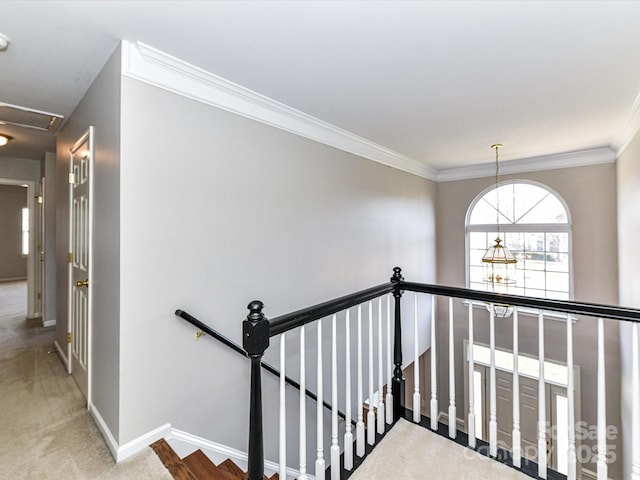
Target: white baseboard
(49,323)
(138,444)
(122,452)
(112,445)
(62,355)
(186,442)
(183,443)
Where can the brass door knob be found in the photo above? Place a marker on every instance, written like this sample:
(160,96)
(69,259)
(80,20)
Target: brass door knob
(84,283)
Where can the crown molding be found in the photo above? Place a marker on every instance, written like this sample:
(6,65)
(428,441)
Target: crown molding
(151,66)
(630,127)
(533,164)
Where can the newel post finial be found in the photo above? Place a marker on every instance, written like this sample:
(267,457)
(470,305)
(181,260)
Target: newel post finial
(255,340)
(397,275)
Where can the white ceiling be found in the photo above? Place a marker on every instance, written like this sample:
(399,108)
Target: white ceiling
(436,81)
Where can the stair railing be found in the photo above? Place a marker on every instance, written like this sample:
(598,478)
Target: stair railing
(257,331)
(203,328)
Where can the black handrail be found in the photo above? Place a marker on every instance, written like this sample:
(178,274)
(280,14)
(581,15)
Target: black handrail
(237,348)
(293,320)
(565,306)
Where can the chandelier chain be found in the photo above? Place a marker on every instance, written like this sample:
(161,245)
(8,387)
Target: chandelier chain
(496,147)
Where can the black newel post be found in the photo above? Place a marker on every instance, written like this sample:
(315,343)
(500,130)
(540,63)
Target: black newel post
(397,384)
(255,340)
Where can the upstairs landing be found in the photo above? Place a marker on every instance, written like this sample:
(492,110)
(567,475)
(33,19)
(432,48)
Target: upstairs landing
(411,452)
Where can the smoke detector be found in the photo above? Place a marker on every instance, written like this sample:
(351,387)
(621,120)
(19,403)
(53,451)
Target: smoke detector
(4,42)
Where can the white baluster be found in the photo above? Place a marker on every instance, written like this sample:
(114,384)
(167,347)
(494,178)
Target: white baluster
(452,377)
(380,405)
(303,409)
(416,364)
(360,422)
(389,397)
(571,427)
(471,421)
(283,412)
(542,404)
(371,415)
(635,398)
(320,464)
(348,435)
(602,406)
(335,448)
(515,434)
(434,382)
(493,423)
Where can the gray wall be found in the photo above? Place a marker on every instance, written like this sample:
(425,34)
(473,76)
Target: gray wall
(13,265)
(218,210)
(590,193)
(628,175)
(20,169)
(100,108)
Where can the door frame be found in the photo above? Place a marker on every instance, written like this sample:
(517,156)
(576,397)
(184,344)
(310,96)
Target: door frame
(87,136)
(33,242)
(549,388)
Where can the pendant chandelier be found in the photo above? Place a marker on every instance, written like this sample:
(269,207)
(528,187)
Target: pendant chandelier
(498,259)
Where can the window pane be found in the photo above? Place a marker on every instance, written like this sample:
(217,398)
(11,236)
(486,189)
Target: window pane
(483,214)
(478,240)
(562,434)
(514,241)
(534,242)
(476,274)
(532,292)
(525,199)
(516,290)
(558,281)
(558,295)
(535,279)
(475,256)
(25,231)
(557,242)
(549,210)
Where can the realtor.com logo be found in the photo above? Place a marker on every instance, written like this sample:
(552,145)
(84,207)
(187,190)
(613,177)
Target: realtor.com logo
(586,446)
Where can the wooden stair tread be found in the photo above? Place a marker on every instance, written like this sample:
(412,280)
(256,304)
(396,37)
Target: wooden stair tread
(202,467)
(234,471)
(171,461)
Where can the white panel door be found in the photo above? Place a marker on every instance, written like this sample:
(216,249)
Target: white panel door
(81,163)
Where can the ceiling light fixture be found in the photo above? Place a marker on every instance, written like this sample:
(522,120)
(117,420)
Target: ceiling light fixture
(4,139)
(4,42)
(498,258)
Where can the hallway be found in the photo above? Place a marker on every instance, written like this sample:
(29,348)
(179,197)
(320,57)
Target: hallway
(45,429)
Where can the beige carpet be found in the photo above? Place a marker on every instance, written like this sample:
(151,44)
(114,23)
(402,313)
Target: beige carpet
(45,430)
(411,452)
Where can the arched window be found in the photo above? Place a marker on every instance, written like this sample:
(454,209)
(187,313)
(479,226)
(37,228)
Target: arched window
(535,225)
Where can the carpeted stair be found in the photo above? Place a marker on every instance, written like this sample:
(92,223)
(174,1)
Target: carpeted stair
(197,466)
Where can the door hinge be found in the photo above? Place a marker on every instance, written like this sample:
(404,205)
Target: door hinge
(72,178)
(70,257)
(69,337)
(39,296)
